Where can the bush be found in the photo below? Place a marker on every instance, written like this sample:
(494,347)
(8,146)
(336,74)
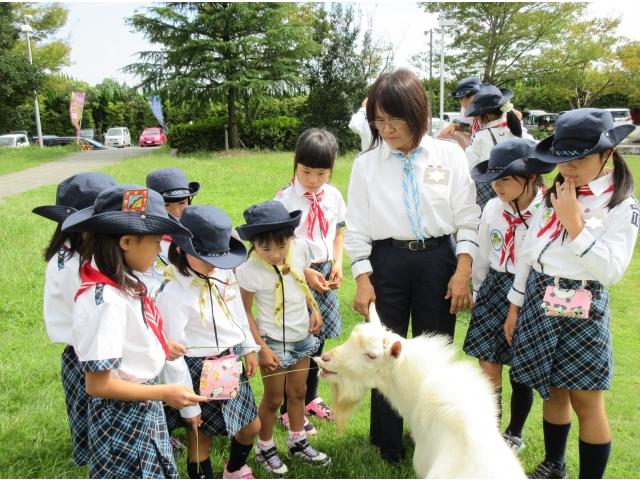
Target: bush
(277,134)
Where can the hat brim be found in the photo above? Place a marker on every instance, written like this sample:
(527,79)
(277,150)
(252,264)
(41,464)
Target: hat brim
(246,232)
(123,223)
(57,213)
(236,255)
(465,92)
(473,110)
(607,141)
(522,166)
(193,186)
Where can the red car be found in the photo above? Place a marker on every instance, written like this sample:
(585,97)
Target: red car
(152,137)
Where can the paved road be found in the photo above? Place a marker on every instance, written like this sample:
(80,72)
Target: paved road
(54,172)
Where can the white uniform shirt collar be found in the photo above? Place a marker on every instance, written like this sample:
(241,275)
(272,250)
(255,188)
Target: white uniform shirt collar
(495,122)
(599,185)
(426,143)
(186,281)
(300,190)
(506,206)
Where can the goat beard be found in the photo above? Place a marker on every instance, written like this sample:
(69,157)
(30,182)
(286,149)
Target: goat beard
(342,406)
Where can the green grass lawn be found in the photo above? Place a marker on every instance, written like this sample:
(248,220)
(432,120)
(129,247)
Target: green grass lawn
(16,159)
(34,434)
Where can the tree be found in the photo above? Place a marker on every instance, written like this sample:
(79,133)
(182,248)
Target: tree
(222,51)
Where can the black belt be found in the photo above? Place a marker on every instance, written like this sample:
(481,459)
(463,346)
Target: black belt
(415,245)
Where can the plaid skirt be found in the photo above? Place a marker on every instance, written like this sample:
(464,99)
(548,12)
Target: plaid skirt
(77,400)
(129,439)
(484,193)
(570,353)
(329,306)
(219,417)
(485,337)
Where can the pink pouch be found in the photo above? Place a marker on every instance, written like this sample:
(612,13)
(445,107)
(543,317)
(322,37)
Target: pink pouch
(220,377)
(558,302)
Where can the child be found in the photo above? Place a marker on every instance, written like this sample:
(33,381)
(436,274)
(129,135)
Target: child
(199,303)
(323,208)
(61,284)
(273,275)
(498,122)
(119,336)
(580,241)
(464,92)
(177,192)
(516,178)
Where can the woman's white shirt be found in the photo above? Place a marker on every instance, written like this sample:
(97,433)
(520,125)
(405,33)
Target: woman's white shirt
(602,251)
(376,206)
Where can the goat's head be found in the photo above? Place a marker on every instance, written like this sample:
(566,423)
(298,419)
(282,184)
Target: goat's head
(361,363)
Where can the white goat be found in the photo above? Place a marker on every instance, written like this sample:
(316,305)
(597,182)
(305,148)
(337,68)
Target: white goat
(449,405)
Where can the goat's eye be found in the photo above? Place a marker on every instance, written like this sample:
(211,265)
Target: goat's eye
(372,356)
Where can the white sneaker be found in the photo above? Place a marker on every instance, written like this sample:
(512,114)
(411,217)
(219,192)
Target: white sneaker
(270,461)
(304,450)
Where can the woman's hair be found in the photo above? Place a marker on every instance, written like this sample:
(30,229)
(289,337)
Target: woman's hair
(58,239)
(279,236)
(513,122)
(316,148)
(400,95)
(109,257)
(179,260)
(623,186)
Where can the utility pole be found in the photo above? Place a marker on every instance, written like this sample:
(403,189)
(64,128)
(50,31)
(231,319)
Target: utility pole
(443,23)
(26,28)
(430,32)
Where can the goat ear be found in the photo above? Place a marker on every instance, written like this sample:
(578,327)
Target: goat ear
(373,314)
(396,348)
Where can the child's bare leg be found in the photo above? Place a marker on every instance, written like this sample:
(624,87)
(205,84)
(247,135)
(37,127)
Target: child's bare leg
(271,400)
(203,444)
(248,434)
(590,409)
(494,372)
(296,388)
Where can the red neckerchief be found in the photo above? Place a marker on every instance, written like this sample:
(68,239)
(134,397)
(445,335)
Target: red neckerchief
(508,248)
(166,238)
(315,212)
(584,190)
(475,126)
(90,276)
(503,124)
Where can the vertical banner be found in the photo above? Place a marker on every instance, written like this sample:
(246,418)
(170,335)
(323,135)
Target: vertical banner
(156,109)
(75,108)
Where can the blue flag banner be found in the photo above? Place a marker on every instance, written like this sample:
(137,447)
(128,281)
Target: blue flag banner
(156,109)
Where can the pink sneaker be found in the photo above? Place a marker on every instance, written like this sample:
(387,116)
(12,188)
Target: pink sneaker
(309,429)
(244,472)
(318,408)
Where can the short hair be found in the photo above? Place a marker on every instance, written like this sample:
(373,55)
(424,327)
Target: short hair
(180,261)
(400,94)
(316,148)
(279,236)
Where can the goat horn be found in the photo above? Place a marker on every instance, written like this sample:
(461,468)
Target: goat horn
(373,314)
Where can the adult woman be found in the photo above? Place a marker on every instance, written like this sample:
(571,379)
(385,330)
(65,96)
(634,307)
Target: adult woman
(407,195)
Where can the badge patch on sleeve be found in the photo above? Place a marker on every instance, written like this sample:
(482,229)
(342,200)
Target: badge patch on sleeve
(135,200)
(436,176)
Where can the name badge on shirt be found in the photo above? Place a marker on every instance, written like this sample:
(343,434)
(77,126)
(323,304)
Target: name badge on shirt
(229,291)
(436,176)
(595,218)
(519,238)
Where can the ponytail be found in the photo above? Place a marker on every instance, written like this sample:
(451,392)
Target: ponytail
(513,124)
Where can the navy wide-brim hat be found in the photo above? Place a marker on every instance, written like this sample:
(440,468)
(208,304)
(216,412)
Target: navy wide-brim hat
(212,241)
(579,133)
(126,210)
(75,193)
(172,184)
(467,86)
(511,157)
(266,217)
(489,98)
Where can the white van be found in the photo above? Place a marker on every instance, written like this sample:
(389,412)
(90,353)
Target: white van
(118,137)
(620,116)
(14,140)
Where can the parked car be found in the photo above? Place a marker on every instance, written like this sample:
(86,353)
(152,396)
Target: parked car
(151,137)
(620,116)
(14,140)
(45,137)
(635,115)
(90,133)
(118,137)
(30,138)
(547,122)
(90,143)
(450,116)
(435,125)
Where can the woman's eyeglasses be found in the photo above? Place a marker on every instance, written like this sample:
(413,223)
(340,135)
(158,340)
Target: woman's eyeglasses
(379,124)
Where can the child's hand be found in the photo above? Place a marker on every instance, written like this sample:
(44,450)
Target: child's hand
(194,423)
(269,361)
(315,324)
(335,276)
(175,350)
(315,280)
(568,208)
(510,323)
(179,396)
(251,364)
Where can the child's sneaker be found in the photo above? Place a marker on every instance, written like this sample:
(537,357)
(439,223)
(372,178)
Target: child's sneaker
(309,429)
(244,472)
(318,408)
(270,461)
(303,449)
(548,469)
(514,443)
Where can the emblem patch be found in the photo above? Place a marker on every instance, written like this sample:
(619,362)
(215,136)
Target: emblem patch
(496,239)
(546,216)
(135,200)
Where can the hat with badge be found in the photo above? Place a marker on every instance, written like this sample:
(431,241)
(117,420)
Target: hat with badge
(488,99)
(579,133)
(467,86)
(511,157)
(266,217)
(126,210)
(75,193)
(172,184)
(212,241)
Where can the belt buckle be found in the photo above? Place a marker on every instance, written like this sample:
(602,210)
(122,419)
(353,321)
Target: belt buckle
(416,245)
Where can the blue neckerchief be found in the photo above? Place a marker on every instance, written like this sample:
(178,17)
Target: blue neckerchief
(410,177)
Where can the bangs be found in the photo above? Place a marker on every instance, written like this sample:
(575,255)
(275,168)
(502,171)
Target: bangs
(316,148)
(278,236)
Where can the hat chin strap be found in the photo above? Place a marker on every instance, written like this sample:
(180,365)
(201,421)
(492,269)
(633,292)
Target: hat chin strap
(515,202)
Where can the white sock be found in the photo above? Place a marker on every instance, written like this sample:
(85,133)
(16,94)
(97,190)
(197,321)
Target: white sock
(296,437)
(266,444)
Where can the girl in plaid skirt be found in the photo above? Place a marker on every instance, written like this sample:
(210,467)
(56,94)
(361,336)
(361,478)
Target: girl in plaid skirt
(323,210)
(581,239)
(515,176)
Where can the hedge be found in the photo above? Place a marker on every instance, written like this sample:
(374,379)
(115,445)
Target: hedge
(277,134)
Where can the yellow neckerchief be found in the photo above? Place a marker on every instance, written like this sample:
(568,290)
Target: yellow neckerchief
(206,285)
(279,306)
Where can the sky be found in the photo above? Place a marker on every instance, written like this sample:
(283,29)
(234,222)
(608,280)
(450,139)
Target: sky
(102,44)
